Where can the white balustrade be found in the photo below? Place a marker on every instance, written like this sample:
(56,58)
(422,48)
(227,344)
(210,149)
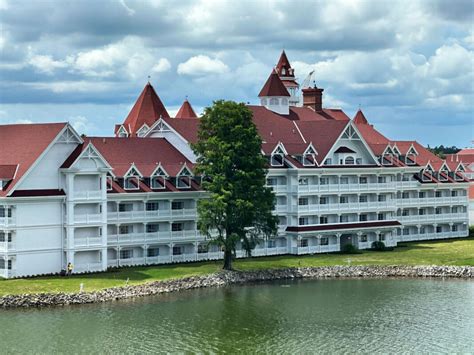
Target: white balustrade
(87,195)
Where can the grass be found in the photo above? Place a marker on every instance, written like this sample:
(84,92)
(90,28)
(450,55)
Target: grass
(446,252)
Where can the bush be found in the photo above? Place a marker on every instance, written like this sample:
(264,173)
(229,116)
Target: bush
(378,245)
(471,231)
(350,249)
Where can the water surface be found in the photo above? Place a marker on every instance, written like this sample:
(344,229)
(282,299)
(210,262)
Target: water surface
(329,316)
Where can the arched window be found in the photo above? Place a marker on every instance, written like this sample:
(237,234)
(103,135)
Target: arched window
(273,101)
(349,161)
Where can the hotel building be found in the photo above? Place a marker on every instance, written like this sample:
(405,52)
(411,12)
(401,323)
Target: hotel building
(130,199)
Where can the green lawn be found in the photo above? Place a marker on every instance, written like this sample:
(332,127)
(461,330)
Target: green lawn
(450,252)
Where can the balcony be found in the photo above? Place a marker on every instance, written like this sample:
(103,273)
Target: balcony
(85,242)
(7,247)
(355,187)
(87,195)
(183,257)
(315,249)
(279,188)
(432,236)
(407,184)
(7,222)
(430,201)
(210,255)
(340,207)
(89,267)
(126,238)
(432,218)
(88,218)
(144,215)
(269,251)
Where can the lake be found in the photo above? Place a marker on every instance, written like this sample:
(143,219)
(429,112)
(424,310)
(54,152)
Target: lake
(329,316)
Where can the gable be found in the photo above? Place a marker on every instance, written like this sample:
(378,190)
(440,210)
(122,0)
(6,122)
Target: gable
(90,160)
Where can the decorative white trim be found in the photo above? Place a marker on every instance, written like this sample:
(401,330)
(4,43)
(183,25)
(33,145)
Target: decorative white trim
(132,167)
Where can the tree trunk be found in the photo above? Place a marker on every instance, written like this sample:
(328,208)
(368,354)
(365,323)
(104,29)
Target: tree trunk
(227,260)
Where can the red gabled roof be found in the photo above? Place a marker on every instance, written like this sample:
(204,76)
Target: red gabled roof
(359,118)
(283,62)
(144,153)
(273,86)
(188,128)
(147,109)
(186,111)
(22,144)
(7,172)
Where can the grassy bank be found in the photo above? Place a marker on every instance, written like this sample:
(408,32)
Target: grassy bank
(450,252)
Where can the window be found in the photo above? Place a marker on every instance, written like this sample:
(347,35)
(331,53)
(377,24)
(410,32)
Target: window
(382,237)
(343,199)
(344,181)
(153,252)
(203,248)
(271,243)
(177,250)
(454,193)
(405,212)
(405,195)
(125,207)
(438,194)
(328,161)
(362,218)
(324,241)
(131,183)
(421,211)
(273,101)
(349,161)
(4,238)
(126,254)
(438,210)
(303,181)
(183,182)
(2,264)
(363,238)
(264,102)
(284,101)
(303,201)
(323,220)
(343,218)
(152,228)
(125,229)
(380,217)
(439,229)
(382,179)
(363,198)
(303,221)
(5,212)
(382,198)
(363,180)
(323,200)
(158,182)
(308,160)
(109,181)
(324,181)
(176,227)
(410,159)
(177,205)
(303,243)
(422,230)
(152,206)
(359,161)
(421,194)
(271,181)
(406,231)
(454,228)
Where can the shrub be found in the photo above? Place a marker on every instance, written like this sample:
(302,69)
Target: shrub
(350,249)
(378,245)
(471,231)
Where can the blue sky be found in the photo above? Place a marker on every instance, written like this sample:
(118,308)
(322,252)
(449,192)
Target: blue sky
(408,64)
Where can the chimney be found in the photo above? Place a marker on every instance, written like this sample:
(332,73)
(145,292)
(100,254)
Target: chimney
(313,98)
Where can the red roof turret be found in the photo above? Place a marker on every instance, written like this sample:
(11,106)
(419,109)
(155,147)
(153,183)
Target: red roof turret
(359,118)
(283,67)
(273,86)
(186,111)
(147,109)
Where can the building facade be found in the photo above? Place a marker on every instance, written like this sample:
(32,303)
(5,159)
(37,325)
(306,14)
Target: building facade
(101,202)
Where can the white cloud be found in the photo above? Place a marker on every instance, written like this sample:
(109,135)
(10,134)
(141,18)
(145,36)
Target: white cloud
(129,10)
(23,121)
(46,64)
(451,61)
(72,86)
(202,65)
(163,65)
(81,124)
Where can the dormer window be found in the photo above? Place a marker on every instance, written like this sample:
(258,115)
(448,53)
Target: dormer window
(410,159)
(284,101)
(109,183)
(277,159)
(183,179)
(158,179)
(283,71)
(273,101)
(131,183)
(143,130)
(387,159)
(349,160)
(122,132)
(328,161)
(309,156)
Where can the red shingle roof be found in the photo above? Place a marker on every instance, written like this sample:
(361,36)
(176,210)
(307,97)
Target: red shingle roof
(186,111)
(147,109)
(284,63)
(7,172)
(359,118)
(145,153)
(273,86)
(22,144)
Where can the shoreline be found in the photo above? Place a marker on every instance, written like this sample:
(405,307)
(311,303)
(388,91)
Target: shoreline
(226,278)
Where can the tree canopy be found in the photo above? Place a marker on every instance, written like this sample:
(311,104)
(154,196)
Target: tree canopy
(239,206)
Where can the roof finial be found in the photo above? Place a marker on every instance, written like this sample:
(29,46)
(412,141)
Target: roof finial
(149,77)
(359,106)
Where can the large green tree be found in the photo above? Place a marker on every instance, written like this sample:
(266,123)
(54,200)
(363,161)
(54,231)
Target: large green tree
(239,206)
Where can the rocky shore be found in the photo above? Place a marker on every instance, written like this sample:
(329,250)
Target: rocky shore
(225,278)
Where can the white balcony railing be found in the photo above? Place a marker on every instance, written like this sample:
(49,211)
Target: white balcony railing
(87,195)
(7,221)
(336,207)
(7,246)
(430,201)
(444,217)
(88,267)
(316,249)
(354,187)
(88,218)
(140,215)
(87,241)
(430,236)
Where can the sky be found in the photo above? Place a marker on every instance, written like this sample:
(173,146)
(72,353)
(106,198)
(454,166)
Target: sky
(409,65)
